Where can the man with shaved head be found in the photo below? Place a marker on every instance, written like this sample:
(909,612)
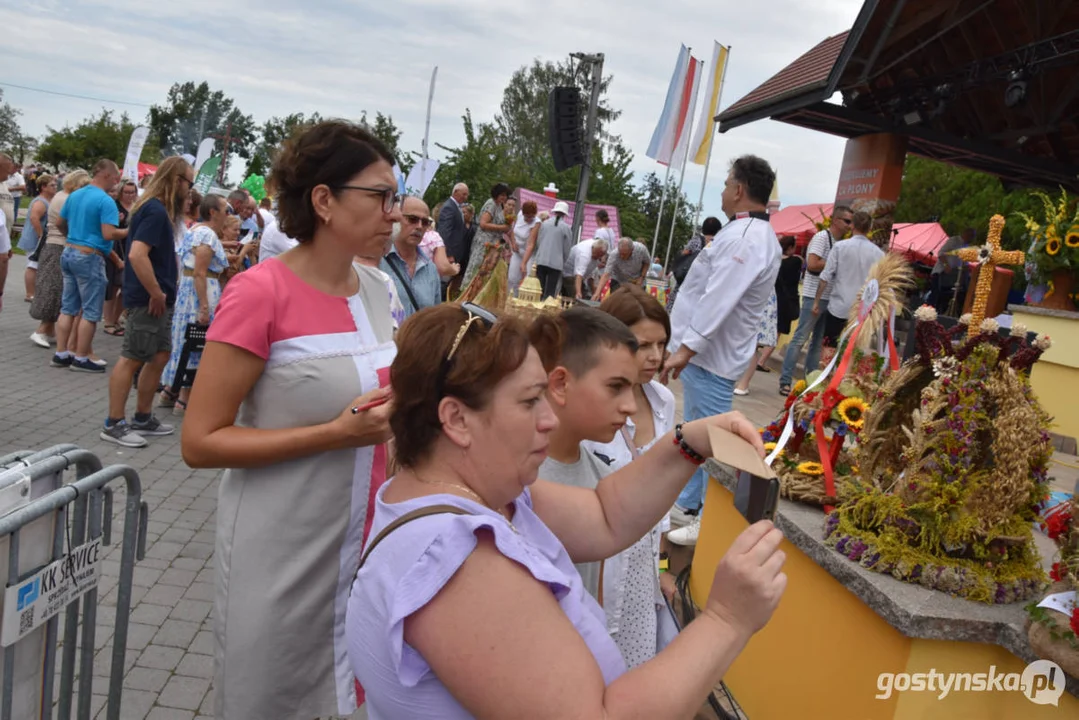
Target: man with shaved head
(412,270)
(451,226)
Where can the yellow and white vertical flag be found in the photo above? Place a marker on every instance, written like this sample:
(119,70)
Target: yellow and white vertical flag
(706,129)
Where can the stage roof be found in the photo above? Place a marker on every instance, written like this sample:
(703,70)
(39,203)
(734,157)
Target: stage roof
(939,71)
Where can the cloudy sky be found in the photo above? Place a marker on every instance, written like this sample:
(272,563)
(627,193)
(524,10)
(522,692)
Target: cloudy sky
(341,57)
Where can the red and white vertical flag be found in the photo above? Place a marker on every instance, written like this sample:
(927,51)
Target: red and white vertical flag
(665,136)
(686,111)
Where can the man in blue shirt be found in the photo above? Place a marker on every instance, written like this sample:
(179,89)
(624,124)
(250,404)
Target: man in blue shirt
(90,220)
(150,280)
(415,274)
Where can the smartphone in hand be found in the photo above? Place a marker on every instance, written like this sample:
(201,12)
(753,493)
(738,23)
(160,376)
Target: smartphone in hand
(756,497)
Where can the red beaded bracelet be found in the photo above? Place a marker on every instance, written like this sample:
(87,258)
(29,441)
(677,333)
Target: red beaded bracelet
(683,447)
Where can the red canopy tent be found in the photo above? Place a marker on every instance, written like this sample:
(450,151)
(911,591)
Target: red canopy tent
(146,169)
(800,221)
(919,242)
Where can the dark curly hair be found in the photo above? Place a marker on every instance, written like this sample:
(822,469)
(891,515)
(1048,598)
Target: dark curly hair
(499,189)
(711,226)
(421,376)
(326,153)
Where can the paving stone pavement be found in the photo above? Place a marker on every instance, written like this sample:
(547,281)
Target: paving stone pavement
(169,663)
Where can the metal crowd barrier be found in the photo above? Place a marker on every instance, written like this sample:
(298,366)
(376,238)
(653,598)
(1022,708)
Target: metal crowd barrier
(79,514)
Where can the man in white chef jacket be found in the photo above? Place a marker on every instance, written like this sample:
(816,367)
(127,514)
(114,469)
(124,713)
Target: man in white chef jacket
(715,318)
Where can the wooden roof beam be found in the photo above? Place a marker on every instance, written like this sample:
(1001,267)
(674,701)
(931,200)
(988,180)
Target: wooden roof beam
(945,29)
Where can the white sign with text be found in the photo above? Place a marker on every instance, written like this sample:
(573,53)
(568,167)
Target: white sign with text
(30,603)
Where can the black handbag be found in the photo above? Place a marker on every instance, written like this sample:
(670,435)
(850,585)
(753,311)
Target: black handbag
(680,267)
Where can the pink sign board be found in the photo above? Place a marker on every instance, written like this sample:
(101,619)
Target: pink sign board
(545,203)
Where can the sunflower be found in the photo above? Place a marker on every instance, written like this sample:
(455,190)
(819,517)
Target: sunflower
(799,387)
(811,468)
(1052,246)
(1072,238)
(852,411)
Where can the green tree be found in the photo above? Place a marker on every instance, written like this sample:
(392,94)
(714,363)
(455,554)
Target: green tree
(522,123)
(274,132)
(479,162)
(192,112)
(646,214)
(958,198)
(12,138)
(96,137)
(386,130)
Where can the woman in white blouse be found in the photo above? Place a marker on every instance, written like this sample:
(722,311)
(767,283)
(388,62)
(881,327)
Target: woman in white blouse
(632,599)
(524,243)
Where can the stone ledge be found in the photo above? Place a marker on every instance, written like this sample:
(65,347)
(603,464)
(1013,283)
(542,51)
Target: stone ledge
(1048,312)
(915,611)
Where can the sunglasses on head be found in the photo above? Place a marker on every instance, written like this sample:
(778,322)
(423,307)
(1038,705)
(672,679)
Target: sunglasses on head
(475,314)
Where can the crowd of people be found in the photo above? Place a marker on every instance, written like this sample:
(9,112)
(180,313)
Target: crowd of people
(490,506)
(383,585)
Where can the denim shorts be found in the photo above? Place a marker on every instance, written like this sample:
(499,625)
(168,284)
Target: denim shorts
(84,284)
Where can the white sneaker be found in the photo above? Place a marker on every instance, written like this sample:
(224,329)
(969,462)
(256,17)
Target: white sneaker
(686,536)
(680,517)
(740,392)
(40,339)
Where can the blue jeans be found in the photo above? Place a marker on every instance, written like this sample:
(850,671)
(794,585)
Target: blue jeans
(807,322)
(84,284)
(703,394)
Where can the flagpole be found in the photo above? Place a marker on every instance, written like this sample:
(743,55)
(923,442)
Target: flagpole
(662,200)
(712,139)
(677,205)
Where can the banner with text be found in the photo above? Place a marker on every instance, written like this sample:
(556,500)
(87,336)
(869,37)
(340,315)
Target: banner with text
(134,152)
(206,175)
(30,603)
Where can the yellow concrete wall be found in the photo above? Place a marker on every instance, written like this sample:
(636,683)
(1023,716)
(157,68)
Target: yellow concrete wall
(824,649)
(820,655)
(1055,378)
(960,657)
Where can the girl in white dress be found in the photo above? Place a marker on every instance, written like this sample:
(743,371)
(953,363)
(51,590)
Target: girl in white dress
(632,599)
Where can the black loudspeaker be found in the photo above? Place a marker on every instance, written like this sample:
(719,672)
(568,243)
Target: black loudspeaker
(564,123)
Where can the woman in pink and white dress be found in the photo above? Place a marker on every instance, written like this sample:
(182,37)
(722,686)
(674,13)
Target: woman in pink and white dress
(291,397)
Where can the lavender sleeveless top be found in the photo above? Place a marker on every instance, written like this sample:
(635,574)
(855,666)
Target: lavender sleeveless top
(409,568)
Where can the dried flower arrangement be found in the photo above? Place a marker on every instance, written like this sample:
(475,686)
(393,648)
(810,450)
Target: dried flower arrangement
(826,423)
(1054,635)
(948,502)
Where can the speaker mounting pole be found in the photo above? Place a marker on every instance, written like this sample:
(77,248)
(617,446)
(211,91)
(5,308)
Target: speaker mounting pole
(595,62)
